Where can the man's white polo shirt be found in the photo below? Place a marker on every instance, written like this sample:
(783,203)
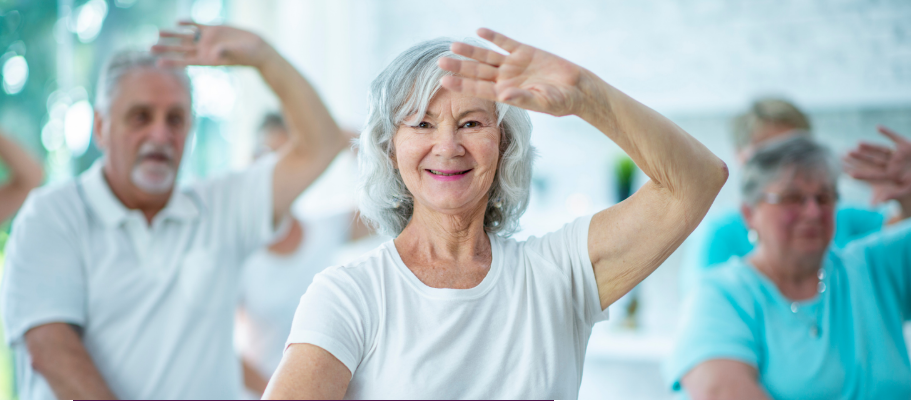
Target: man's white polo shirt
(155,303)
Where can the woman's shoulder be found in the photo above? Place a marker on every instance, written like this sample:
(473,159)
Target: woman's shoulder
(734,278)
(364,271)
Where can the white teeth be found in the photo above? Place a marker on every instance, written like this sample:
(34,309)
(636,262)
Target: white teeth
(434,172)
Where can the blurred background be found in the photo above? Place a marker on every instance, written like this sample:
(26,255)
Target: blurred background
(846,62)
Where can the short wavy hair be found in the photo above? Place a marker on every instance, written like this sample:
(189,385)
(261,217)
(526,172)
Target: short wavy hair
(405,88)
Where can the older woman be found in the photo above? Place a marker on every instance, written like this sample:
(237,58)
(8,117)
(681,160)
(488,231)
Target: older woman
(451,308)
(796,318)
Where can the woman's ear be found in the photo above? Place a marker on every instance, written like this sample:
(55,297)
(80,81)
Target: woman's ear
(747,212)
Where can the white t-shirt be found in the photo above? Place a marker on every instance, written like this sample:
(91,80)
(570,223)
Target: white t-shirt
(520,333)
(155,303)
(272,285)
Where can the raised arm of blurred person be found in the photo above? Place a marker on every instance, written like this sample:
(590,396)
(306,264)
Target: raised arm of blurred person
(886,169)
(25,175)
(315,138)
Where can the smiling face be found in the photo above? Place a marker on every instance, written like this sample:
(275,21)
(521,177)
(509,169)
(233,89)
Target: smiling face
(448,160)
(143,133)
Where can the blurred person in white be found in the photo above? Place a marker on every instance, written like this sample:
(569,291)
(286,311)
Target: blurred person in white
(275,277)
(24,174)
(117,283)
(727,236)
(452,308)
(797,318)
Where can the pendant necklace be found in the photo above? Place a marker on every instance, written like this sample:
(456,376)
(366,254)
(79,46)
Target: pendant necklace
(815,321)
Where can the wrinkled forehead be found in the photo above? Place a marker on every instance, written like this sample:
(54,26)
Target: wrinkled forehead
(446,103)
(152,88)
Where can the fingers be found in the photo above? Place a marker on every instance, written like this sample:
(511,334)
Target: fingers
(468,69)
(158,49)
(470,87)
(894,136)
(190,23)
(499,39)
(486,56)
(875,158)
(177,35)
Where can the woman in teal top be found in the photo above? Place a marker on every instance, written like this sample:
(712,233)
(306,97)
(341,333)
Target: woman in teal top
(795,318)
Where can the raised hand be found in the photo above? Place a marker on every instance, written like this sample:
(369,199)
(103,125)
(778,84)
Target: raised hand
(527,77)
(887,170)
(211,45)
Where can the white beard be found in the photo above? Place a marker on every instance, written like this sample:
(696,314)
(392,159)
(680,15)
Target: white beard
(153,177)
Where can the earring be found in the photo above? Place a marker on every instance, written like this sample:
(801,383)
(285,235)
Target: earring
(753,237)
(498,203)
(396,202)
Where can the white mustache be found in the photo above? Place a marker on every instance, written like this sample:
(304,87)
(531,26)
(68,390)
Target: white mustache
(151,149)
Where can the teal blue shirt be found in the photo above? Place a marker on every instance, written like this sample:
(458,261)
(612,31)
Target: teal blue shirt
(737,313)
(727,235)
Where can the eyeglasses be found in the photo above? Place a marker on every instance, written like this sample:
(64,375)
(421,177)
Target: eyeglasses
(794,200)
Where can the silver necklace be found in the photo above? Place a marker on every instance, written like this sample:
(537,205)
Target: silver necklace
(814,321)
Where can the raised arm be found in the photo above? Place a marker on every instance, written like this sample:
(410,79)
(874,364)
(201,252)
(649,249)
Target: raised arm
(630,240)
(315,139)
(57,353)
(25,175)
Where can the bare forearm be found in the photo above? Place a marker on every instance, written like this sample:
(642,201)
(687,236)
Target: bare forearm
(668,155)
(58,354)
(25,171)
(25,175)
(311,127)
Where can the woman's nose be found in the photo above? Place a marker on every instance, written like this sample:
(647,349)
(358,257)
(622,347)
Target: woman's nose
(448,142)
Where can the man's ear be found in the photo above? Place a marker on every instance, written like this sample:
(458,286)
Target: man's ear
(100,140)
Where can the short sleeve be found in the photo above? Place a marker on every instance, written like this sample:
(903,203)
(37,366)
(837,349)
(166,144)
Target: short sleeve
(334,315)
(725,238)
(44,279)
(242,202)
(567,249)
(714,326)
(888,256)
(852,224)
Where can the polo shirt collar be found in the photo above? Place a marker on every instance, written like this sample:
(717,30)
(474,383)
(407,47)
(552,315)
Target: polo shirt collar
(112,212)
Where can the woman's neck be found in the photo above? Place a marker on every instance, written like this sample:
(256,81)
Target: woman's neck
(446,251)
(796,277)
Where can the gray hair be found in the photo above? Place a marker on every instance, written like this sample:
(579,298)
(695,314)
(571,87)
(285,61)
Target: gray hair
(767,111)
(794,155)
(121,63)
(405,88)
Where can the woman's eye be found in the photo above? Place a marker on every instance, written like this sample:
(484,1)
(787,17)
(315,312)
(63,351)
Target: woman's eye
(471,124)
(423,124)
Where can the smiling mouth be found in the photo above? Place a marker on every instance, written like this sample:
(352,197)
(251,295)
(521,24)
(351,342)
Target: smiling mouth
(447,173)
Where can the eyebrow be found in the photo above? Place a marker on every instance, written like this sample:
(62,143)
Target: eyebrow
(462,115)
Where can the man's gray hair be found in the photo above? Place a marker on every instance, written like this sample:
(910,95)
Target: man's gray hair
(405,88)
(795,155)
(122,62)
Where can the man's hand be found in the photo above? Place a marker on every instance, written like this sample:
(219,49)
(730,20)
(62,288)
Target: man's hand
(212,45)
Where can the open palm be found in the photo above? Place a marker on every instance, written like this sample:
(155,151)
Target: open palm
(887,170)
(211,45)
(527,77)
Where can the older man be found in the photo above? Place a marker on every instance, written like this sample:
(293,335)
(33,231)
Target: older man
(117,283)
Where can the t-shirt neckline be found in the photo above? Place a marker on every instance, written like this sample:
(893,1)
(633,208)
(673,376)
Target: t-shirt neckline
(451,293)
(770,287)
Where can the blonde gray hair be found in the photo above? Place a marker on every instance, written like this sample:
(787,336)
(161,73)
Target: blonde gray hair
(763,112)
